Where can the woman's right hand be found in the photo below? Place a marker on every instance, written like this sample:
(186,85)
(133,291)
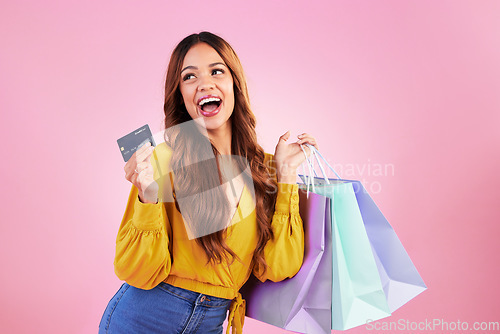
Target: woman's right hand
(139,171)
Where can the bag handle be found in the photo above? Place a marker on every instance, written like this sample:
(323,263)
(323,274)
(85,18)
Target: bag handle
(310,164)
(316,154)
(308,177)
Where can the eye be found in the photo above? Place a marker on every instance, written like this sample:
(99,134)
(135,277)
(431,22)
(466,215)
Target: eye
(217,71)
(188,76)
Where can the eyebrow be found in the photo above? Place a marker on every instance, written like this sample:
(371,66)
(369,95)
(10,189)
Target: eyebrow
(195,68)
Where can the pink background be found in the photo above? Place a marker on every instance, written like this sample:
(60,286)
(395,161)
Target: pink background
(410,84)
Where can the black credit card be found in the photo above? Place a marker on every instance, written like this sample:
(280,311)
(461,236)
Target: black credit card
(128,144)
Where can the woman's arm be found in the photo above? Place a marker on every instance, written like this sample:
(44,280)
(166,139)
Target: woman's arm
(284,254)
(142,256)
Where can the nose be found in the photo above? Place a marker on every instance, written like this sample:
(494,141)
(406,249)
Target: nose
(206,83)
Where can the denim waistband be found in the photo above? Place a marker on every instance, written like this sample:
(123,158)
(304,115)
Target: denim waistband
(194,297)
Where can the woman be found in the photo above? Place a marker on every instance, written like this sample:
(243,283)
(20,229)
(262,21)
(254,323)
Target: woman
(183,272)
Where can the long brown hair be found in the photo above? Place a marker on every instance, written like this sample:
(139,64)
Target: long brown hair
(243,144)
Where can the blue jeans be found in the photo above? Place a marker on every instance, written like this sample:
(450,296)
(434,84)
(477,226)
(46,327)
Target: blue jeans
(164,309)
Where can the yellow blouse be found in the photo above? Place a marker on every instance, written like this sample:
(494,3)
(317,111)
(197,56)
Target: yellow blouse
(153,246)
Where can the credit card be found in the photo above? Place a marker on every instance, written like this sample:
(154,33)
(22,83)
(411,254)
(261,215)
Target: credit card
(130,143)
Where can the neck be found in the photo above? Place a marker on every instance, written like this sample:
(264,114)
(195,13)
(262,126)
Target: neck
(221,139)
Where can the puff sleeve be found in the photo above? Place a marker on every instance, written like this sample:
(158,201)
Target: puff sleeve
(142,256)
(284,254)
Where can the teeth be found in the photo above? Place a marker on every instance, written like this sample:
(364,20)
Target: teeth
(210,99)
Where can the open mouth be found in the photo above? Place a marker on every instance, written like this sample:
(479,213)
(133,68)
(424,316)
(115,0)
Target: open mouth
(209,105)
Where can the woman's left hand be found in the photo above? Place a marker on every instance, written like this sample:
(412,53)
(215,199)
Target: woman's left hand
(288,157)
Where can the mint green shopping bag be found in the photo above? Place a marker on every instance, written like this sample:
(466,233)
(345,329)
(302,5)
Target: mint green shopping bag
(357,292)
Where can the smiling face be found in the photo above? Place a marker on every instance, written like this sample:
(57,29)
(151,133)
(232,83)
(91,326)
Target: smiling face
(206,86)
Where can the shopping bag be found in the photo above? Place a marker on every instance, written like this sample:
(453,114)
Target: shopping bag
(301,303)
(399,277)
(357,292)
(363,273)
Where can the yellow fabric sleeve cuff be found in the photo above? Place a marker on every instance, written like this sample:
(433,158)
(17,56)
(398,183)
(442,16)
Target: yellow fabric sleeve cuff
(287,200)
(147,216)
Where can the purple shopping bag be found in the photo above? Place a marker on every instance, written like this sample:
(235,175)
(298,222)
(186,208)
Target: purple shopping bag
(400,279)
(303,302)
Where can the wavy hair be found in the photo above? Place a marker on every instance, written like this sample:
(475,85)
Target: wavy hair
(211,209)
